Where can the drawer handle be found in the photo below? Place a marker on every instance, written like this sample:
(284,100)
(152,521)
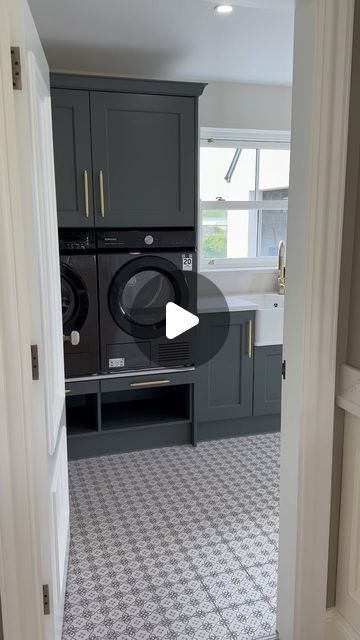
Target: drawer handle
(86,193)
(149,383)
(250,339)
(102,198)
(67,391)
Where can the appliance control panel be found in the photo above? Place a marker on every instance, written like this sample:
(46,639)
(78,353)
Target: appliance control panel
(146,238)
(76,241)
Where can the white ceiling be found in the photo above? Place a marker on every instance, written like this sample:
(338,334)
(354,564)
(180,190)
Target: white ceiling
(169,39)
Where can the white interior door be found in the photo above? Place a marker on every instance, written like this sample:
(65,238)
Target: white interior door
(47,447)
(49,321)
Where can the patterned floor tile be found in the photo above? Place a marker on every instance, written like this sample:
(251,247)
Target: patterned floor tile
(250,621)
(265,577)
(175,543)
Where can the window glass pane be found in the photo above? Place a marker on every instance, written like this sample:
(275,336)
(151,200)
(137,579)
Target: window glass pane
(227,173)
(274,174)
(229,234)
(272,229)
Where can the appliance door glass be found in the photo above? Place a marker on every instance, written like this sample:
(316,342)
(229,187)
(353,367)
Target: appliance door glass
(74,300)
(140,291)
(144,297)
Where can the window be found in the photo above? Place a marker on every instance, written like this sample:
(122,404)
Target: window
(244,184)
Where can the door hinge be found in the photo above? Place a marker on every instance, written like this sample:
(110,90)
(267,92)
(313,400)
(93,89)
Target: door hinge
(46,599)
(283,369)
(35,362)
(16,68)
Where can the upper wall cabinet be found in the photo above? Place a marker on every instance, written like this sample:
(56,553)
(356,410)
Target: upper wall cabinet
(72,152)
(143,160)
(125,151)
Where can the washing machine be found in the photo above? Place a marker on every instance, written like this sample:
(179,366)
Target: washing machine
(139,273)
(79,298)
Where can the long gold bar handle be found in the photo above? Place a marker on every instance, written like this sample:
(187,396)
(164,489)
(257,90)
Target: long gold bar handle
(250,339)
(149,383)
(102,199)
(86,193)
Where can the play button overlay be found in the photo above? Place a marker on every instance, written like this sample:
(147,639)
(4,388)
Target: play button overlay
(173,327)
(178,320)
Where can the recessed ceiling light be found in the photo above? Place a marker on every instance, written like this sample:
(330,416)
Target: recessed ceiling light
(223,8)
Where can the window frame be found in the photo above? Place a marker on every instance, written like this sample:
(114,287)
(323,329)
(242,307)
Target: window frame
(249,139)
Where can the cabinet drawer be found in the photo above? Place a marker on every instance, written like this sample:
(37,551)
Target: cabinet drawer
(81,388)
(141,381)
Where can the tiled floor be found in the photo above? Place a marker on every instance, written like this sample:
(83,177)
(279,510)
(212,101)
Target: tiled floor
(175,543)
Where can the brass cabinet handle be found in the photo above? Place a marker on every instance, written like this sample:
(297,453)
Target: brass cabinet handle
(102,199)
(86,193)
(149,383)
(250,339)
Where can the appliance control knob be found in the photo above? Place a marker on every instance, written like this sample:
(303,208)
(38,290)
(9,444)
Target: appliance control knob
(148,240)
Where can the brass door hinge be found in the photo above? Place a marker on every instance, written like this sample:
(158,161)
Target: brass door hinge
(16,68)
(46,599)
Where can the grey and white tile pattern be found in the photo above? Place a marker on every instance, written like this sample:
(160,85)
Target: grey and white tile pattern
(175,543)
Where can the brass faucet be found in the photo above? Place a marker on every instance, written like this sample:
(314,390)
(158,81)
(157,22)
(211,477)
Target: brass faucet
(281,267)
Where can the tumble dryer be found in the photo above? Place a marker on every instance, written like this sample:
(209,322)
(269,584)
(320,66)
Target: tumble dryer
(139,273)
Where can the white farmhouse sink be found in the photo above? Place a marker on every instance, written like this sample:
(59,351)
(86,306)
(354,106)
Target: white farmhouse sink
(269,318)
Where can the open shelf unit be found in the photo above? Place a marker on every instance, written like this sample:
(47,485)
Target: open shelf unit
(124,413)
(127,409)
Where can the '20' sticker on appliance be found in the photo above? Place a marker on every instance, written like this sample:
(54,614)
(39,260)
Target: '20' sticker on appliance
(114,363)
(187,262)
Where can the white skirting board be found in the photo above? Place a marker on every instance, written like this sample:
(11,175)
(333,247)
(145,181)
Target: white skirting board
(349,393)
(336,627)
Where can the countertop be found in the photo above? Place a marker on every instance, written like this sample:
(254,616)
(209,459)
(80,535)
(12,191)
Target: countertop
(235,302)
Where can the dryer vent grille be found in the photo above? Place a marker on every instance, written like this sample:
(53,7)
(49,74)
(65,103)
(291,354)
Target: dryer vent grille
(177,352)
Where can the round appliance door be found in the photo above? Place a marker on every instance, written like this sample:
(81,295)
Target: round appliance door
(140,291)
(74,300)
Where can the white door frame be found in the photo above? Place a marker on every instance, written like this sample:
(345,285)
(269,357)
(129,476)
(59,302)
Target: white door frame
(319,141)
(322,70)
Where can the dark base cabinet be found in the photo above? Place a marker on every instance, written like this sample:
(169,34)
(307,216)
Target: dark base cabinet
(125,413)
(225,378)
(267,380)
(236,392)
(253,425)
(239,387)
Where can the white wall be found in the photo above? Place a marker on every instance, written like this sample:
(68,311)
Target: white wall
(231,105)
(245,106)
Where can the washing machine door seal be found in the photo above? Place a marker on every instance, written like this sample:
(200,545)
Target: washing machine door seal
(139,292)
(74,299)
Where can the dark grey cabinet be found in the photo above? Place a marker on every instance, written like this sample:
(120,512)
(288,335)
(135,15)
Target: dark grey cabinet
(225,380)
(72,154)
(267,380)
(125,413)
(125,151)
(143,160)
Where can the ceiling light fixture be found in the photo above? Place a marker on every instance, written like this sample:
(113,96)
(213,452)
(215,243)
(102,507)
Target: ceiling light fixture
(223,8)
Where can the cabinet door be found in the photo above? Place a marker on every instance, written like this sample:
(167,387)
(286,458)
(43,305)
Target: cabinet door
(143,160)
(225,381)
(72,153)
(267,380)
